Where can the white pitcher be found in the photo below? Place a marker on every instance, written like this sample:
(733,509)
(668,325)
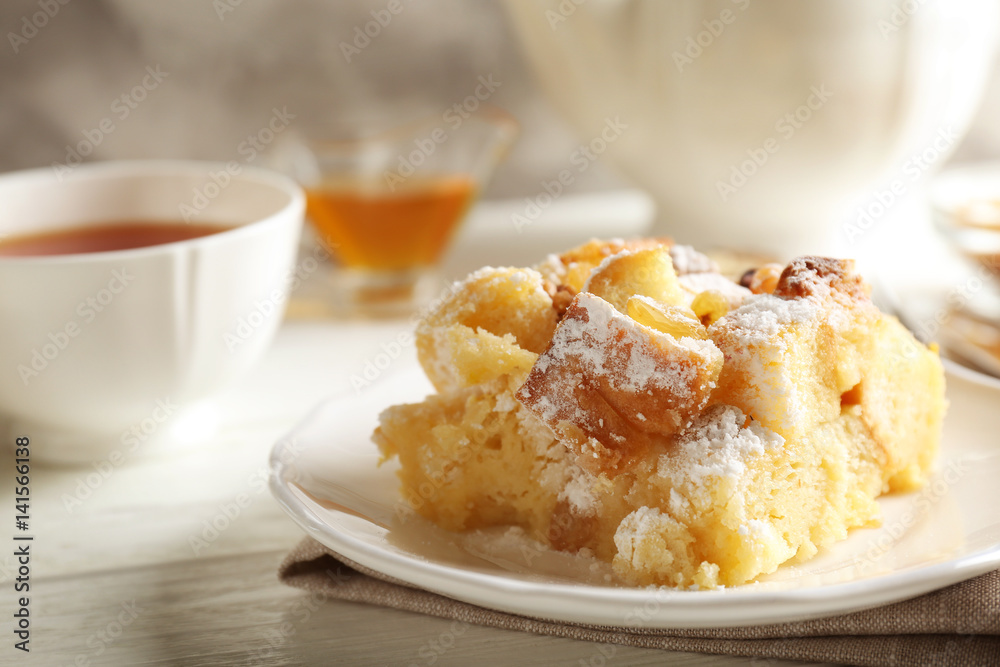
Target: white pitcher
(755,122)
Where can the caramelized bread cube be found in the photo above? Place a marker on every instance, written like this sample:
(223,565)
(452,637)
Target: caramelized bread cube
(492,318)
(573,267)
(648,272)
(803,356)
(611,387)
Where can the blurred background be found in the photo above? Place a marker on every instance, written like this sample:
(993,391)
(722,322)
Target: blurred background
(228,64)
(212,74)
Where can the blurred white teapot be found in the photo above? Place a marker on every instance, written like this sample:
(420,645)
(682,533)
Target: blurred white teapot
(753,123)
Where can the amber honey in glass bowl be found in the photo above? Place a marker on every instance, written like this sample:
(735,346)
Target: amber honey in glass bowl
(388,205)
(371,226)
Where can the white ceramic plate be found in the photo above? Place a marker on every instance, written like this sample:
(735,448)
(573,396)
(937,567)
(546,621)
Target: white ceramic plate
(325,475)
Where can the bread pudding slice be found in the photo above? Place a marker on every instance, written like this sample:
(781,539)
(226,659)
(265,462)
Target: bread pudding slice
(686,429)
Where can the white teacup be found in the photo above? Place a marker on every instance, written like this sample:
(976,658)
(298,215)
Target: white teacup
(101,352)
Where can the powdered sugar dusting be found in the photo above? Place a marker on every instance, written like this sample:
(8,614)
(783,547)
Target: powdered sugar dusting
(505,402)
(755,339)
(586,342)
(580,494)
(489,278)
(716,446)
(762,317)
(617,381)
(688,260)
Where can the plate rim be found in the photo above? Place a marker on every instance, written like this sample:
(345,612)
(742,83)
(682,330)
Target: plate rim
(697,609)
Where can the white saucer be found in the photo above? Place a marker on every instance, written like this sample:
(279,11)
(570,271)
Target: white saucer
(325,475)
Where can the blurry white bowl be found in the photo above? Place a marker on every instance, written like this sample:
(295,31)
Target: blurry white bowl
(99,351)
(756,125)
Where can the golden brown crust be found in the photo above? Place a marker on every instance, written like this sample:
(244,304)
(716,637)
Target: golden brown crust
(562,296)
(818,276)
(594,252)
(612,388)
(503,312)
(572,268)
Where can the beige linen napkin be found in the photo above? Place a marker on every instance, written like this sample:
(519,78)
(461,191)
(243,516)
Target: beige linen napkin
(958,625)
